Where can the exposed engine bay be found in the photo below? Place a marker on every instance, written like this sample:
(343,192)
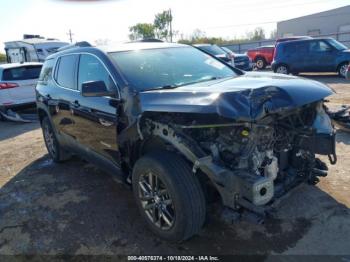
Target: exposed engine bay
(250,163)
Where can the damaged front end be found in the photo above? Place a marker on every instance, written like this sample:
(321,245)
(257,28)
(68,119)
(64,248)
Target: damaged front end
(250,163)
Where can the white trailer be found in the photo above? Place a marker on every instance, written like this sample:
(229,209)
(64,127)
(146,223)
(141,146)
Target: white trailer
(31,50)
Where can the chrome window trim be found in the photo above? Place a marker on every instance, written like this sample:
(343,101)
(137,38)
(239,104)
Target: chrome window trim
(83,53)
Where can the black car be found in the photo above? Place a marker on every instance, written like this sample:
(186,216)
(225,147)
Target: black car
(240,61)
(180,127)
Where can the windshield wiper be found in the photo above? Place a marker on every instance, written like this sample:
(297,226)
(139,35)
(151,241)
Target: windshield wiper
(159,88)
(182,84)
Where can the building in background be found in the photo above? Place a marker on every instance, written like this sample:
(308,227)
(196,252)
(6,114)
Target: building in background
(333,23)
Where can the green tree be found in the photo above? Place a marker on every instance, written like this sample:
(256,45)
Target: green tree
(273,34)
(2,58)
(141,31)
(162,25)
(257,34)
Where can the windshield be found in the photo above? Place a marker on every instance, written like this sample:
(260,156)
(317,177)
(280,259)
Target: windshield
(169,67)
(336,44)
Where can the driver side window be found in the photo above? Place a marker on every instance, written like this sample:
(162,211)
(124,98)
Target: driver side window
(91,69)
(319,46)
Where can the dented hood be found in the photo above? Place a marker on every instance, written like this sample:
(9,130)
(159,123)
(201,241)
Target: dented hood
(247,97)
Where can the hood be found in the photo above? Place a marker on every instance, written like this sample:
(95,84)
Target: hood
(247,97)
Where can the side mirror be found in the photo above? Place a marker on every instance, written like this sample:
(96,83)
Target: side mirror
(95,88)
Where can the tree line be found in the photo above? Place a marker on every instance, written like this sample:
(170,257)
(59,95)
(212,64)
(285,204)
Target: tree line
(2,58)
(161,29)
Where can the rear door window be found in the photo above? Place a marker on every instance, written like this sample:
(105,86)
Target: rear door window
(65,71)
(21,73)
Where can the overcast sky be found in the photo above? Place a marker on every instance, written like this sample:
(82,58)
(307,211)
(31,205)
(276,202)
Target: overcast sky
(111,19)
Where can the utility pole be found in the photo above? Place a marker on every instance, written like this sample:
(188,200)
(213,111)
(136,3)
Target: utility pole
(171,26)
(70,35)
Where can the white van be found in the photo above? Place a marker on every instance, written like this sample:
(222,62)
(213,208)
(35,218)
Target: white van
(31,49)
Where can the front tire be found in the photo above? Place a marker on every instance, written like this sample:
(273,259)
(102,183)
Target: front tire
(168,195)
(282,69)
(56,152)
(342,69)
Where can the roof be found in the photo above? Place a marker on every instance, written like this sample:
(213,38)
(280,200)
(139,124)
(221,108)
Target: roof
(137,46)
(304,40)
(33,41)
(14,65)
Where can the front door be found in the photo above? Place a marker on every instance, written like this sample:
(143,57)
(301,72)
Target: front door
(322,56)
(96,117)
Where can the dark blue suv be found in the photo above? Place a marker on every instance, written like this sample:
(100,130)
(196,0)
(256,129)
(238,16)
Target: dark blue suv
(311,55)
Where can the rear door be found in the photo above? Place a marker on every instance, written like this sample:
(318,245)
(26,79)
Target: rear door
(26,78)
(297,56)
(62,99)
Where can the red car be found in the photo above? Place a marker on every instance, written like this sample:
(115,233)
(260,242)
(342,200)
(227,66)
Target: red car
(262,55)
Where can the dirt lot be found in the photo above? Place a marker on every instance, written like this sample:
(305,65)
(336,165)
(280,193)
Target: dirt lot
(73,208)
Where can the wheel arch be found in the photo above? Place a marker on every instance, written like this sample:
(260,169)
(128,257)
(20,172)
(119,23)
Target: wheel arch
(259,56)
(344,62)
(42,114)
(184,148)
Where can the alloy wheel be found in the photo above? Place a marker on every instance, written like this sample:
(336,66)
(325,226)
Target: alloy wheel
(282,70)
(156,201)
(260,64)
(50,140)
(342,70)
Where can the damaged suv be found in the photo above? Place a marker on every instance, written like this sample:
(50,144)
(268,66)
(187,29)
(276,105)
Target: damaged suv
(181,127)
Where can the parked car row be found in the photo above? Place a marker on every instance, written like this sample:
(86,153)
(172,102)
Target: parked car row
(303,54)
(240,61)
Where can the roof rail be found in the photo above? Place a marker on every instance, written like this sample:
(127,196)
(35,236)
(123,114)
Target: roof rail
(77,44)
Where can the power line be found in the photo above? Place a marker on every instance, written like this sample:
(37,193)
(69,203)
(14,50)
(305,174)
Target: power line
(270,22)
(269,6)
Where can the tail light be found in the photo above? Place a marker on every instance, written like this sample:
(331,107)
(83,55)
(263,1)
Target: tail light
(7,85)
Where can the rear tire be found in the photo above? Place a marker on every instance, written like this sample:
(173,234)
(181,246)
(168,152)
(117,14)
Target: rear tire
(260,63)
(56,152)
(177,195)
(342,69)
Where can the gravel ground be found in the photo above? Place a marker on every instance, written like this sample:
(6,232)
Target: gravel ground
(74,208)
